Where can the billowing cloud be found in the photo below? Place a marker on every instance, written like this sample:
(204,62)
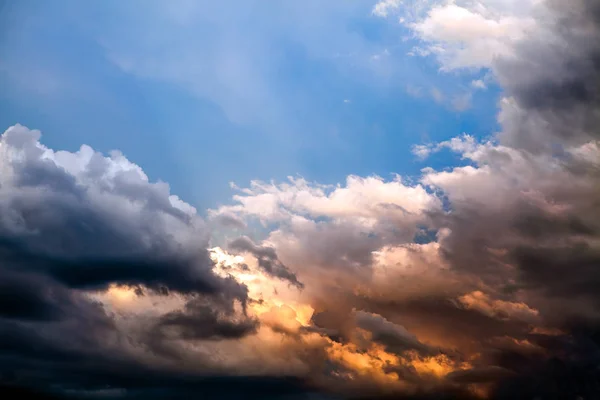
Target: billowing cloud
(478,281)
(395,338)
(77,224)
(86,221)
(465,33)
(267,259)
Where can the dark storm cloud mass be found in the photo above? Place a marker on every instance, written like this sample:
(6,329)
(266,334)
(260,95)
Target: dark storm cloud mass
(88,221)
(74,222)
(553,79)
(541,239)
(552,84)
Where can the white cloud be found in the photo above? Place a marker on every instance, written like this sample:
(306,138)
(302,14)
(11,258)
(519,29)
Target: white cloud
(479,84)
(362,200)
(334,228)
(469,36)
(463,144)
(468,33)
(384,7)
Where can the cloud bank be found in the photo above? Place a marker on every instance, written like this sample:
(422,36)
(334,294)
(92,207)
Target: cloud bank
(475,282)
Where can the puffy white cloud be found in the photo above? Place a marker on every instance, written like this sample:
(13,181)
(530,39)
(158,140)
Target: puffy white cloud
(470,35)
(335,230)
(362,201)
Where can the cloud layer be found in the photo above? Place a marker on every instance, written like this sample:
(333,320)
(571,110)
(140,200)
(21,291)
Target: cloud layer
(477,282)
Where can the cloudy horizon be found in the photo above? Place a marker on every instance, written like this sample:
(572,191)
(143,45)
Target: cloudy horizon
(365,200)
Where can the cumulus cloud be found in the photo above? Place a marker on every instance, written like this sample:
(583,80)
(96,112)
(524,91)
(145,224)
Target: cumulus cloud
(464,36)
(518,219)
(77,224)
(469,34)
(539,51)
(87,220)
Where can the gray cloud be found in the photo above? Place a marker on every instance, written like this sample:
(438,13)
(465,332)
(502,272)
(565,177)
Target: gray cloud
(553,79)
(88,221)
(267,259)
(395,338)
(71,225)
(208,319)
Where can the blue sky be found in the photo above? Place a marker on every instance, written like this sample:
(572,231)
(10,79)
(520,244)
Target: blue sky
(200,94)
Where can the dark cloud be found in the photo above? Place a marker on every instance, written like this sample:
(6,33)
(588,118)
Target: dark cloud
(545,267)
(208,318)
(27,296)
(88,221)
(395,338)
(165,386)
(480,375)
(267,259)
(553,79)
(73,224)
(525,221)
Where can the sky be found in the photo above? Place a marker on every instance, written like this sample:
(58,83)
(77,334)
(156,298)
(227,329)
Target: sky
(393,199)
(201,94)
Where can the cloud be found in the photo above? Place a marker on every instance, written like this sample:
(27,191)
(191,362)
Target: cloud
(87,220)
(462,144)
(229,221)
(518,220)
(205,319)
(551,96)
(479,375)
(498,308)
(267,259)
(74,225)
(395,338)
(473,34)
(384,7)
(479,84)
(540,54)
(479,279)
